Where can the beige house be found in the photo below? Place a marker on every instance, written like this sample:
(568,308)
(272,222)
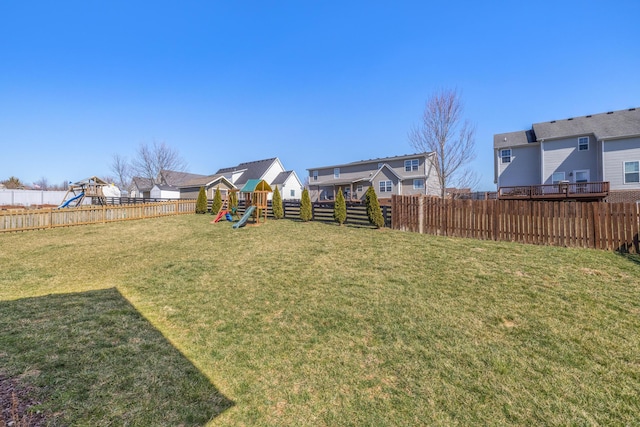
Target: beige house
(407,174)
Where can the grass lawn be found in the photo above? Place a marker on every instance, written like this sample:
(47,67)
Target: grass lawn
(176,321)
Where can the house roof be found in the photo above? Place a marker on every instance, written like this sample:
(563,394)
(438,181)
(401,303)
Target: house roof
(165,187)
(281,178)
(609,125)
(177,178)
(252,170)
(142,183)
(380,160)
(510,139)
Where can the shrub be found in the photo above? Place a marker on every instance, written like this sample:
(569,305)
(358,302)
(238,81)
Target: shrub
(217,202)
(201,203)
(340,208)
(305,206)
(374,213)
(276,203)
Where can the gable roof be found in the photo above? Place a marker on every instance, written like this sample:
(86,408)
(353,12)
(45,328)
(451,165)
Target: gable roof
(282,177)
(252,170)
(510,139)
(389,168)
(609,125)
(206,181)
(142,183)
(177,178)
(376,161)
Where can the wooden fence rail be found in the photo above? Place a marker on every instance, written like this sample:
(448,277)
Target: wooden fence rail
(597,225)
(37,219)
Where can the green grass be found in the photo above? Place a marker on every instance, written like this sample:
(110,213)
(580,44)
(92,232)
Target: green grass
(313,324)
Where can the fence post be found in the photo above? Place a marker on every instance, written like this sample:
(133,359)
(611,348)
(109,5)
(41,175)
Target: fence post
(421,214)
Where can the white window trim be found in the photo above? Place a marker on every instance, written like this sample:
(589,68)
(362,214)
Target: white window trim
(580,144)
(410,164)
(421,187)
(386,189)
(502,156)
(315,175)
(624,172)
(336,173)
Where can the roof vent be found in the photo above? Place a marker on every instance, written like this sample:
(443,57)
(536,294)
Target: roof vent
(589,115)
(632,109)
(570,118)
(552,121)
(610,112)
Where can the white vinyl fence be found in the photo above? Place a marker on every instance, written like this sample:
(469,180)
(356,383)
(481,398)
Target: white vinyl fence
(28,198)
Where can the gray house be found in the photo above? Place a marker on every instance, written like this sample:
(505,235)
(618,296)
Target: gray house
(596,155)
(407,174)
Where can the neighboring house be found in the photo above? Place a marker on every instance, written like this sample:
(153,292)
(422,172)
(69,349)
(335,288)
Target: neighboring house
(288,185)
(407,174)
(269,170)
(140,187)
(191,188)
(594,149)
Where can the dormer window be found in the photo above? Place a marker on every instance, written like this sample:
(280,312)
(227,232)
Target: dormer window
(583,143)
(336,173)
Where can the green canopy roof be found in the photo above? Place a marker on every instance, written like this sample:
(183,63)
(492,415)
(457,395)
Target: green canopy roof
(256,185)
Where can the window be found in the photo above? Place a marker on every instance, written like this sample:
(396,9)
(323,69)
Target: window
(292,193)
(359,188)
(505,155)
(581,176)
(557,177)
(411,165)
(336,173)
(583,143)
(418,184)
(631,172)
(315,175)
(385,186)
(380,165)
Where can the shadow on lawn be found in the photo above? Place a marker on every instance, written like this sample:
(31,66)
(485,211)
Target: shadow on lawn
(92,359)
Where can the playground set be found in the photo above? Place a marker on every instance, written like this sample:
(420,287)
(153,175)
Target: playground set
(93,187)
(256,192)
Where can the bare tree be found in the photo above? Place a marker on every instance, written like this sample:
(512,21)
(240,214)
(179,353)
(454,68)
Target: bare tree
(122,171)
(152,159)
(445,133)
(42,183)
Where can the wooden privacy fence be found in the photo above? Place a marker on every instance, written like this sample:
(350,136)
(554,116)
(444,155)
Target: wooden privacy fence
(597,225)
(23,220)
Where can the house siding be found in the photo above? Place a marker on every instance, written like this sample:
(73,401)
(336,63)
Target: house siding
(616,152)
(524,168)
(563,156)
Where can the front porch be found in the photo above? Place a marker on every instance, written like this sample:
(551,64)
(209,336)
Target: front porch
(583,191)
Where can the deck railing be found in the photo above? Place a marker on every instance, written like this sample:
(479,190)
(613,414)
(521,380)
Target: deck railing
(561,190)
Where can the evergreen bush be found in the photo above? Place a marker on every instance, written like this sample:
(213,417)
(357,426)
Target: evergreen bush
(276,203)
(340,208)
(201,202)
(217,202)
(374,213)
(305,206)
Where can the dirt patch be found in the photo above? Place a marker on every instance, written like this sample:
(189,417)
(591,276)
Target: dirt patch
(16,399)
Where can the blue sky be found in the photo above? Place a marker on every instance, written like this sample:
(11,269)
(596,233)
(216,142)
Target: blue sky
(312,82)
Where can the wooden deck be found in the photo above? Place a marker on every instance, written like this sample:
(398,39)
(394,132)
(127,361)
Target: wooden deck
(584,191)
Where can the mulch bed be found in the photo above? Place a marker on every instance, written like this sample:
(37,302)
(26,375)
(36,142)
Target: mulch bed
(15,400)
